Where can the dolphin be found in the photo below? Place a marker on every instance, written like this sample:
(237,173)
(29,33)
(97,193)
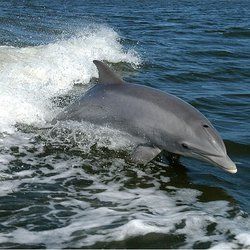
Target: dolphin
(158,120)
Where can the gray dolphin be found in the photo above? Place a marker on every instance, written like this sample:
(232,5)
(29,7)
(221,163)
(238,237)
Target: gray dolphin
(158,120)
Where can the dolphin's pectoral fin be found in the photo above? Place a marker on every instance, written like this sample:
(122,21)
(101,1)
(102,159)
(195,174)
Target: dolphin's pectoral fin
(106,75)
(144,154)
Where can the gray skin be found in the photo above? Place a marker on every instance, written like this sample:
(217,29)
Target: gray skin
(159,121)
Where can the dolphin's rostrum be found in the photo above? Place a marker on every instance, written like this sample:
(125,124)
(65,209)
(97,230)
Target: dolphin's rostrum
(158,120)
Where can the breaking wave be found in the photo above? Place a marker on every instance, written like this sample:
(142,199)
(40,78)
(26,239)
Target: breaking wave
(31,76)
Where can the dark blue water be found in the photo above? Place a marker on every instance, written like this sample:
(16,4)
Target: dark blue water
(70,186)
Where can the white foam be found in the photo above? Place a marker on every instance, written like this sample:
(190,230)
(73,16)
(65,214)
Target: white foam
(134,228)
(106,205)
(30,77)
(126,212)
(223,245)
(244,239)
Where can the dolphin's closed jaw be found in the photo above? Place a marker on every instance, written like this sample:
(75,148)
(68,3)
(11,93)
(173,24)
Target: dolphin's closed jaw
(231,167)
(225,163)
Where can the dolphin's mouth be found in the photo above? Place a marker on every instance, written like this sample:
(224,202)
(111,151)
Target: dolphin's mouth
(223,162)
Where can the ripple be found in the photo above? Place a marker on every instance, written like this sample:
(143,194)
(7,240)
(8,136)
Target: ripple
(237,32)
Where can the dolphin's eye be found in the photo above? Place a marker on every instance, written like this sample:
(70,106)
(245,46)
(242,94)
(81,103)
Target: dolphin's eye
(205,126)
(184,145)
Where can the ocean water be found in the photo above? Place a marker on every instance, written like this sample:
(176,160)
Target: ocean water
(70,186)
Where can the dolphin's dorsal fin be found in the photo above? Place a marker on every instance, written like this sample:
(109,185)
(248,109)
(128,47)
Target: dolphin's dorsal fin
(106,75)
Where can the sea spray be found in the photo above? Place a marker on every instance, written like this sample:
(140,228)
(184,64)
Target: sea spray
(30,77)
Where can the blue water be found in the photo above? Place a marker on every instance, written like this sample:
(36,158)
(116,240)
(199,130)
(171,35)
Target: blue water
(70,186)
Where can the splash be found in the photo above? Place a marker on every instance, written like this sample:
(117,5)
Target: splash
(30,77)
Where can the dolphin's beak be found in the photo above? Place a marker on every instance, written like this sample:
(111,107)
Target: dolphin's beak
(223,162)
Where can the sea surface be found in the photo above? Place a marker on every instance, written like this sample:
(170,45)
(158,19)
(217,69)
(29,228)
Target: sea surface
(71,186)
